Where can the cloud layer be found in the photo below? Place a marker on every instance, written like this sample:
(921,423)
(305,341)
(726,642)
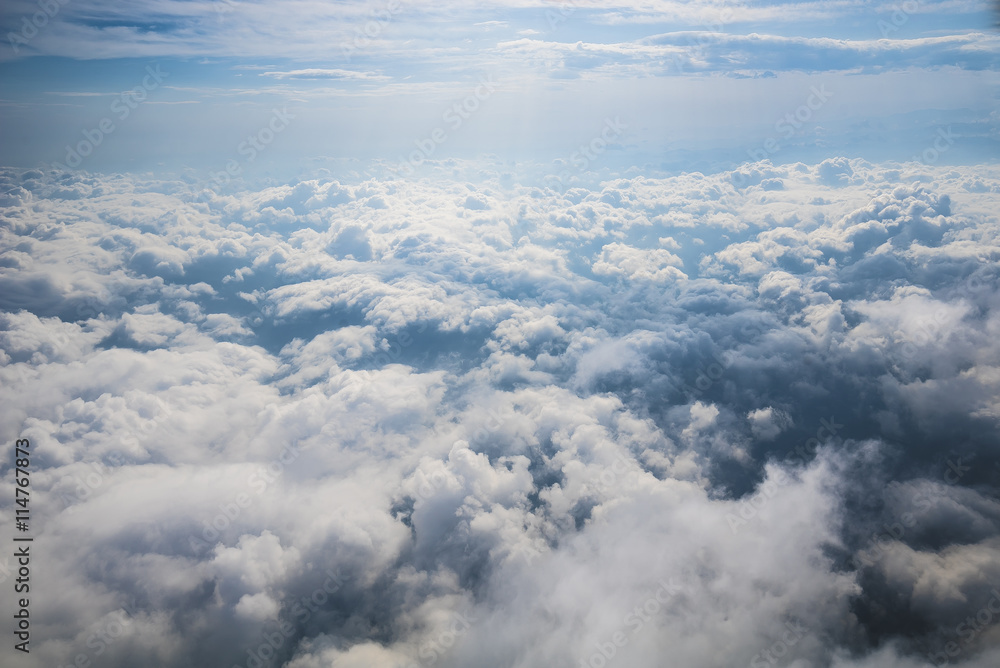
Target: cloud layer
(743,418)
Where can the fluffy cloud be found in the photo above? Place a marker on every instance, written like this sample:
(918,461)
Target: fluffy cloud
(394,423)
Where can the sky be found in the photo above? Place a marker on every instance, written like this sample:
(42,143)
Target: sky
(509,334)
(697,84)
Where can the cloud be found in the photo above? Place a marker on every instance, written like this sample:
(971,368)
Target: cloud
(388,422)
(622,260)
(713,36)
(316,73)
(767,423)
(700,52)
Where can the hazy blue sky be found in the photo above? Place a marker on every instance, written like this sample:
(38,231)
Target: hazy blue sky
(692,81)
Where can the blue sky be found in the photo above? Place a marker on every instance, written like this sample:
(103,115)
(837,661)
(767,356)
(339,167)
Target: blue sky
(696,83)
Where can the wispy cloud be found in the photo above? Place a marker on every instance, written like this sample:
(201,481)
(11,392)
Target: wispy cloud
(318,73)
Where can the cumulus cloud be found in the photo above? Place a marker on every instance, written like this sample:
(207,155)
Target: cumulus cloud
(767,423)
(429,422)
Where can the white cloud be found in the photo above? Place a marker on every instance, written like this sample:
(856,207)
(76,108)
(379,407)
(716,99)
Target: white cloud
(318,73)
(490,433)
